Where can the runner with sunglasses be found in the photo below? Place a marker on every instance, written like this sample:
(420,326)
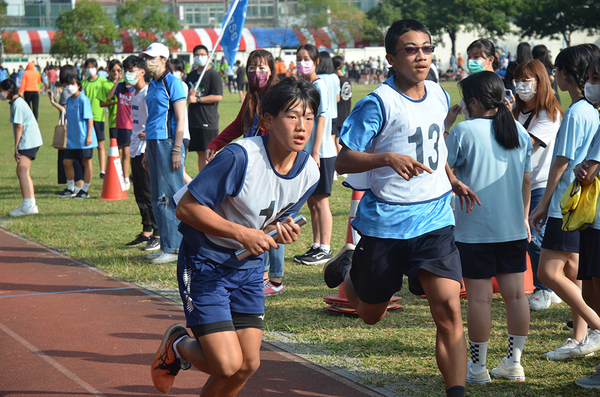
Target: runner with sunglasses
(395,136)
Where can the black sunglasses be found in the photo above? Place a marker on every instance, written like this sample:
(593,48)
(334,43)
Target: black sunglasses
(427,50)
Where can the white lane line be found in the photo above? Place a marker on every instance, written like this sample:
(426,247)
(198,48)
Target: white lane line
(80,382)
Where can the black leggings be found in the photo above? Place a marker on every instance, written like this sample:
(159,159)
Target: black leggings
(33,100)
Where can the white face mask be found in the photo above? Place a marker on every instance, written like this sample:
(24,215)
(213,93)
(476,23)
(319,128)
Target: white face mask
(464,110)
(201,60)
(592,92)
(177,74)
(91,71)
(524,90)
(71,89)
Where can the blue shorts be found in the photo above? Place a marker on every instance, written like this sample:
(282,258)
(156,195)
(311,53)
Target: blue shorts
(31,153)
(485,260)
(123,137)
(99,129)
(326,170)
(379,264)
(211,292)
(78,154)
(557,239)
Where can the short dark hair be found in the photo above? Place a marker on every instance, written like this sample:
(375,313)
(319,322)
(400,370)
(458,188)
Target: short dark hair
(65,71)
(286,93)
(487,87)
(134,61)
(338,62)
(73,78)
(200,47)
(400,27)
(325,63)
(91,61)
(177,65)
(574,61)
(10,86)
(113,62)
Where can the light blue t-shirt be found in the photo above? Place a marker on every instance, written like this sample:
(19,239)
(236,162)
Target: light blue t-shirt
(20,113)
(374,217)
(333,86)
(79,111)
(577,129)
(495,174)
(327,145)
(162,94)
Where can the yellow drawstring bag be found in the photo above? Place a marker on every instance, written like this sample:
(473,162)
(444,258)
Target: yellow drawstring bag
(579,205)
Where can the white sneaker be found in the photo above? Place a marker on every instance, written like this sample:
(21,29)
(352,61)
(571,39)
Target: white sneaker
(589,344)
(481,378)
(164,258)
(154,255)
(555,298)
(540,300)
(513,373)
(562,351)
(126,185)
(24,211)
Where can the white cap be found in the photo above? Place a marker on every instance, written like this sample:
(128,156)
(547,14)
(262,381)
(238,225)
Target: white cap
(157,50)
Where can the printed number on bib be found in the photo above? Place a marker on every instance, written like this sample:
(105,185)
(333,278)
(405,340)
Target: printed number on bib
(421,145)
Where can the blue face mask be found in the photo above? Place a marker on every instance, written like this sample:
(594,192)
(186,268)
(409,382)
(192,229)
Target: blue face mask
(475,65)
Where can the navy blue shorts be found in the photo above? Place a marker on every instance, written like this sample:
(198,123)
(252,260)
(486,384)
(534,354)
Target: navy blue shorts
(123,137)
(485,260)
(78,154)
(326,170)
(99,129)
(558,240)
(378,264)
(31,153)
(211,292)
(112,133)
(334,129)
(589,254)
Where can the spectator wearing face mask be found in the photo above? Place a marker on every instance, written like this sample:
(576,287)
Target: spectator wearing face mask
(203,110)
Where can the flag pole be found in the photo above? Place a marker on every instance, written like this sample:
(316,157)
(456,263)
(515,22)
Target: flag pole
(215,45)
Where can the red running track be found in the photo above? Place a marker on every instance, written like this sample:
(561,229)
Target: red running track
(66,329)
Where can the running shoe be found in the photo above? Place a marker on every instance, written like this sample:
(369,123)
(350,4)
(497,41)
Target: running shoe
(153,244)
(270,289)
(590,382)
(513,373)
(540,300)
(335,269)
(82,194)
(481,378)
(139,240)
(24,211)
(318,257)
(562,351)
(166,365)
(165,257)
(66,193)
(298,258)
(589,344)
(154,255)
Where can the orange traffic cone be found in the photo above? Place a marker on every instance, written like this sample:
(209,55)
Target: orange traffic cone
(339,304)
(114,185)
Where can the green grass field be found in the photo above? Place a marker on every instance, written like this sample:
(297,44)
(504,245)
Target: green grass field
(397,353)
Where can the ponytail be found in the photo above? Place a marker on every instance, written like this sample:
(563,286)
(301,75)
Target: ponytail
(488,89)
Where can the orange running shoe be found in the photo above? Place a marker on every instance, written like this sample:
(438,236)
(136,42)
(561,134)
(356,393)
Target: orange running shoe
(166,365)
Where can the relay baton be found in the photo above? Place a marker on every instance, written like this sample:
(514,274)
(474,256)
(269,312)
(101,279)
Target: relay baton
(243,253)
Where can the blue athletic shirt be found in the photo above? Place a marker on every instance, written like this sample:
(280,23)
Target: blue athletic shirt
(226,175)
(495,174)
(161,123)
(577,129)
(79,111)
(20,113)
(328,149)
(594,154)
(375,217)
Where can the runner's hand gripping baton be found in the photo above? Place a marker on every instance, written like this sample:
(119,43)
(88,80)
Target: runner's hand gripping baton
(243,253)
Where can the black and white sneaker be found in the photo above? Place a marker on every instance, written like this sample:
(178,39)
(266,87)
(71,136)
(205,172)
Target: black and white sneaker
(102,173)
(336,268)
(153,244)
(311,251)
(66,193)
(139,240)
(82,194)
(319,257)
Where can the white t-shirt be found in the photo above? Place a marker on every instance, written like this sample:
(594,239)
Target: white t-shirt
(139,115)
(543,129)
(186,127)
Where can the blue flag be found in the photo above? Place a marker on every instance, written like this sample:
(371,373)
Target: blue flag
(233,30)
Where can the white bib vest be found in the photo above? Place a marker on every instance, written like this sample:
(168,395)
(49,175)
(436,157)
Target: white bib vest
(265,195)
(412,128)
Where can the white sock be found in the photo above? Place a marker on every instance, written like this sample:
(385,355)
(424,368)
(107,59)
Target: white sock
(478,354)
(71,184)
(315,245)
(126,180)
(85,187)
(175,347)
(516,344)
(326,248)
(28,202)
